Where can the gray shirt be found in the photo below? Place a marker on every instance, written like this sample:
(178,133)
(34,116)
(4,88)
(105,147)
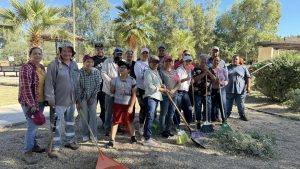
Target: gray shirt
(237,76)
(169,78)
(60,83)
(123,89)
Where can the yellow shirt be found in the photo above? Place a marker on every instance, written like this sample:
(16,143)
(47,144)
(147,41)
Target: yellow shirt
(41,74)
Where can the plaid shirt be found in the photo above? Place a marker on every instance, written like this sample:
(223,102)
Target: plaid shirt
(89,84)
(28,85)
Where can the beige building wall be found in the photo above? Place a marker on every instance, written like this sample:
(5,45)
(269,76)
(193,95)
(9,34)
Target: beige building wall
(265,53)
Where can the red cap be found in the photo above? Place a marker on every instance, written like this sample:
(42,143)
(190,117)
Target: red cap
(38,118)
(168,58)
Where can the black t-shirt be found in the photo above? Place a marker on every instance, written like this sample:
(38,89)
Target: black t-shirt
(97,61)
(200,86)
(132,74)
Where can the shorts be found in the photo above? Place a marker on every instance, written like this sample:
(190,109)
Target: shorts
(120,110)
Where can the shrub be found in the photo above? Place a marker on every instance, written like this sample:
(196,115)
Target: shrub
(280,78)
(252,143)
(294,99)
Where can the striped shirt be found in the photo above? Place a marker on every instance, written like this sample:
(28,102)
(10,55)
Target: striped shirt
(89,84)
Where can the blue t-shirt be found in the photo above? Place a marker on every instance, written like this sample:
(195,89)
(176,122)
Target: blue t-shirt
(237,76)
(123,89)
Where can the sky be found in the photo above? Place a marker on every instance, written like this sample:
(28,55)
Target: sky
(289,22)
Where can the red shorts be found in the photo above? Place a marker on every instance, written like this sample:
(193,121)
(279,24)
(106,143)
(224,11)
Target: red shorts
(120,110)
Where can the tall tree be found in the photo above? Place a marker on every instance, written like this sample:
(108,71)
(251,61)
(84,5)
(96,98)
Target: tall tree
(133,23)
(34,17)
(248,22)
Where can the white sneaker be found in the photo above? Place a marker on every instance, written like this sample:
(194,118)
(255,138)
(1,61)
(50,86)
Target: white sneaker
(85,139)
(150,142)
(141,131)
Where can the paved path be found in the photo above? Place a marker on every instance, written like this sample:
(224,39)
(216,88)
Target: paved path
(13,115)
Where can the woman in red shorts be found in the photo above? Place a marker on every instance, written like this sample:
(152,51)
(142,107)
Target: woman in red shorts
(124,89)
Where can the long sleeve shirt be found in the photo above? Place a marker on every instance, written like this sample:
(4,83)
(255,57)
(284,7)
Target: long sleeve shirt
(108,72)
(139,69)
(152,84)
(61,82)
(89,84)
(28,85)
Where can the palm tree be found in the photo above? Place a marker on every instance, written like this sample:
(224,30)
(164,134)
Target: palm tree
(133,23)
(36,19)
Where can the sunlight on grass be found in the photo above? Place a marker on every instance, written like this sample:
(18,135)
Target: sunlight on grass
(8,95)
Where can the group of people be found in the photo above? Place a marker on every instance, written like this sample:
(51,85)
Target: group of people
(117,82)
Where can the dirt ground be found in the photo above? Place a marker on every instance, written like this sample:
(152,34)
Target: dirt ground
(167,154)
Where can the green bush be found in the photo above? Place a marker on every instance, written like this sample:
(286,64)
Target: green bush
(294,99)
(251,143)
(280,78)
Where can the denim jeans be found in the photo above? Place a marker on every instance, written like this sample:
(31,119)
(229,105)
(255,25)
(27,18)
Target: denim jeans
(30,135)
(184,103)
(64,113)
(101,100)
(152,106)
(199,101)
(143,102)
(239,99)
(89,114)
(167,110)
(216,104)
(109,100)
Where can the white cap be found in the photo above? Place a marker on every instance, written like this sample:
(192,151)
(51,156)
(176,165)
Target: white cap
(187,57)
(144,50)
(215,48)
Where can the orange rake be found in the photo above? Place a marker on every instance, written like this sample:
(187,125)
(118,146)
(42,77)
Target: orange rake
(103,162)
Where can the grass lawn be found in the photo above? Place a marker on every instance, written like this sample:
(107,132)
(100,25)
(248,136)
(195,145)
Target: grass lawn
(8,95)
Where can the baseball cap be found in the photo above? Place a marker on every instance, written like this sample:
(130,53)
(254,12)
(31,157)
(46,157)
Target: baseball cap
(216,48)
(187,57)
(118,51)
(99,45)
(38,118)
(144,50)
(122,63)
(66,44)
(168,58)
(154,57)
(86,57)
(161,47)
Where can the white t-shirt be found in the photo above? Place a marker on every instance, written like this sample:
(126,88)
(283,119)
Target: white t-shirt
(182,73)
(139,69)
(123,89)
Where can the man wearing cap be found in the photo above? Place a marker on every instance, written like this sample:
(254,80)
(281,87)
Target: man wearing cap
(86,97)
(139,69)
(60,84)
(153,94)
(215,53)
(184,102)
(161,54)
(180,62)
(108,72)
(99,58)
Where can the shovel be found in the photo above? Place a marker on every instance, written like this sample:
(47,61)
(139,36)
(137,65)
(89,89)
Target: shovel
(103,162)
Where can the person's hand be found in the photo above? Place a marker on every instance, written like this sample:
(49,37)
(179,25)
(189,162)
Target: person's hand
(51,102)
(91,101)
(248,90)
(188,78)
(32,110)
(130,109)
(171,92)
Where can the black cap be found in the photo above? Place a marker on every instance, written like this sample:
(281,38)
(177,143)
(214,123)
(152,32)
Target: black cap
(122,62)
(161,47)
(99,45)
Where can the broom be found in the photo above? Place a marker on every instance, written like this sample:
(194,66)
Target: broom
(103,162)
(207,127)
(224,125)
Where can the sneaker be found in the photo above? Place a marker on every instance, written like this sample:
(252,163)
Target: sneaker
(244,118)
(170,134)
(54,154)
(110,144)
(29,159)
(164,134)
(150,142)
(121,131)
(198,125)
(141,131)
(72,146)
(85,139)
(38,149)
(133,140)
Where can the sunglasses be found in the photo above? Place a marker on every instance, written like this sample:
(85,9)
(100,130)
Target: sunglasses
(145,53)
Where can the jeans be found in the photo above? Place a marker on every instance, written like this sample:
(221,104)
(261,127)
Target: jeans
(167,110)
(216,104)
(30,135)
(64,113)
(199,101)
(108,111)
(143,102)
(239,99)
(184,103)
(101,100)
(88,112)
(152,106)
